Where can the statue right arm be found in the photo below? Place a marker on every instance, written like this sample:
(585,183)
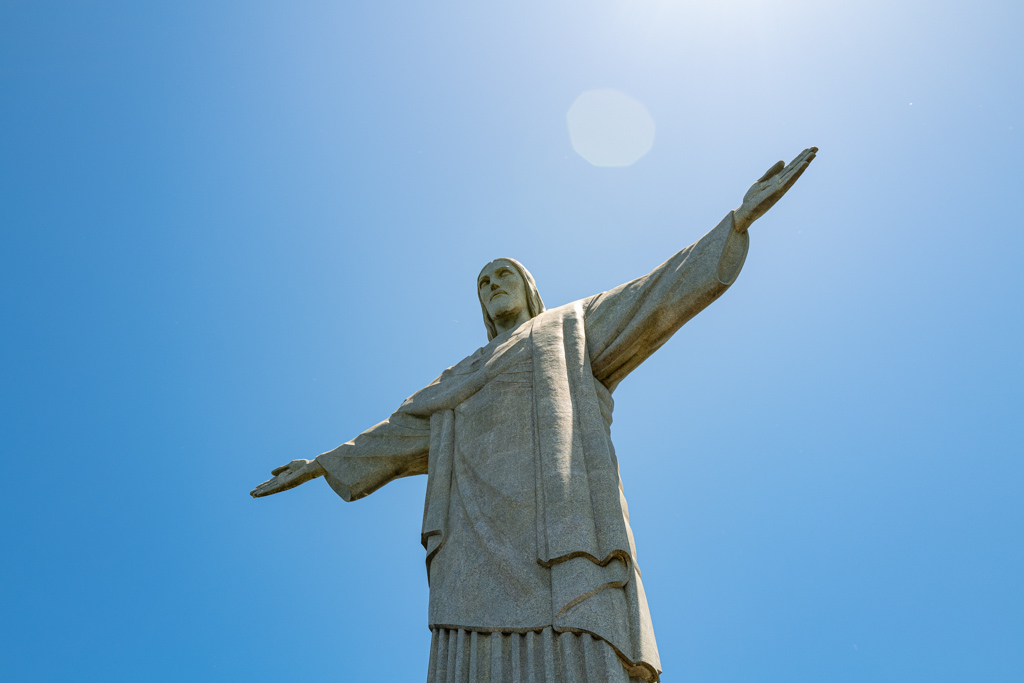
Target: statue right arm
(397,447)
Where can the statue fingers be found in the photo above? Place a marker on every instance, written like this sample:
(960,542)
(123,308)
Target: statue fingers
(294,465)
(806,155)
(797,167)
(809,153)
(774,170)
(282,482)
(263,489)
(794,176)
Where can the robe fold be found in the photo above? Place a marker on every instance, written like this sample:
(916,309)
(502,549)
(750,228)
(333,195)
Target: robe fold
(525,523)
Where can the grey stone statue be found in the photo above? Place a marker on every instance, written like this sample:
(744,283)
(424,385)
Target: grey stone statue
(530,557)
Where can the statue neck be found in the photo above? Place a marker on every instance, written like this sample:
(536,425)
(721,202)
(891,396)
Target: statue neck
(508,322)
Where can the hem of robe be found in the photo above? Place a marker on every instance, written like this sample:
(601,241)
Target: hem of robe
(451,660)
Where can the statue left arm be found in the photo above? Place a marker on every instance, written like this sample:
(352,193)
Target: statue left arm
(627,324)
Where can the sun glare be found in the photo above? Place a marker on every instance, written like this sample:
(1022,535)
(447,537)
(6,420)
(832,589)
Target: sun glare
(610,128)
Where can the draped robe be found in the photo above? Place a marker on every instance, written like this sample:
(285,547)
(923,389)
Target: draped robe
(525,523)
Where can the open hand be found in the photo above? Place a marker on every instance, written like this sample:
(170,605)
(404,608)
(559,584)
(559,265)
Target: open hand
(770,187)
(288,477)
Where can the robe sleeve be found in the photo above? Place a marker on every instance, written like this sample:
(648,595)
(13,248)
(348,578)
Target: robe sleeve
(625,325)
(397,447)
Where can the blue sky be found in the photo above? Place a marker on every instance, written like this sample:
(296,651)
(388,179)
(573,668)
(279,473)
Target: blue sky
(237,233)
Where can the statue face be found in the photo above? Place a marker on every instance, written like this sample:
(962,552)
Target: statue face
(501,290)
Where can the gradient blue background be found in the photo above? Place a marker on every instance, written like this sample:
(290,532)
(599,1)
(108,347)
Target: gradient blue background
(237,233)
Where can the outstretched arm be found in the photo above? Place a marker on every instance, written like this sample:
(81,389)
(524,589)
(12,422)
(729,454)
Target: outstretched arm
(627,324)
(397,447)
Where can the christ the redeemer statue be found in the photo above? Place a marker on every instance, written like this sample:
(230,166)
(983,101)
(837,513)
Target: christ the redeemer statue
(530,556)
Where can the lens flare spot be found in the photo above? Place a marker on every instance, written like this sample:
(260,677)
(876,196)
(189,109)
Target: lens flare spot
(610,128)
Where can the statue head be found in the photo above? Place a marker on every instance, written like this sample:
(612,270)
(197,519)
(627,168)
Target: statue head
(506,290)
